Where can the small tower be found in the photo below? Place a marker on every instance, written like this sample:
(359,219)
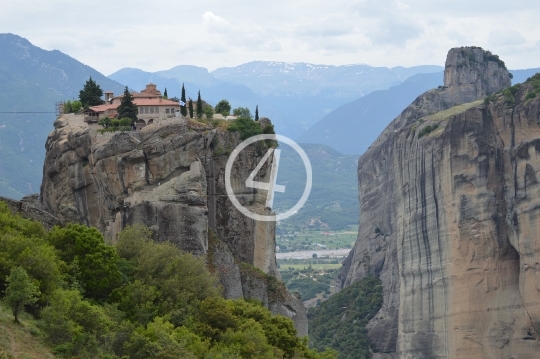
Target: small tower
(108,96)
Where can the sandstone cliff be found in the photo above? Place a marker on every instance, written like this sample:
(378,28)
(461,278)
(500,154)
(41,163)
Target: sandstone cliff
(170,177)
(450,218)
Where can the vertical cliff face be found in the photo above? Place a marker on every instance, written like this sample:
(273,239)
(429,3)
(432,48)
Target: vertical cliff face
(450,218)
(170,177)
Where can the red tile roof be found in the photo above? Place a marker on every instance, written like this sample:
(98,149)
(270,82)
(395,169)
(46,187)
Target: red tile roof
(102,108)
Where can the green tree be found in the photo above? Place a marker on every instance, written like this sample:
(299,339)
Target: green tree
(76,106)
(208,112)
(200,110)
(91,94)
(242,112)
(20,291)
(165,94)
(223,107)
(183,110)
(127,108)
(67,106)
(84,249)
(190,106)
(245,126)
(257,113)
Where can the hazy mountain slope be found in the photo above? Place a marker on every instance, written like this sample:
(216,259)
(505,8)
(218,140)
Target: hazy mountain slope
(308,91)
(32,80)
(212,91)
(522,75)
(351,128)
(334,179)
(293,95)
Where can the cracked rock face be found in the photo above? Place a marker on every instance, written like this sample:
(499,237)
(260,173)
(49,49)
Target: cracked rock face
(170,177)
(450,220)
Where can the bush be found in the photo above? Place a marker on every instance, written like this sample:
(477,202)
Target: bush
(427,129)
(246,127)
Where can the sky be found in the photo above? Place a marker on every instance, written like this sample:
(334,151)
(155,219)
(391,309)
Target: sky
(158,35)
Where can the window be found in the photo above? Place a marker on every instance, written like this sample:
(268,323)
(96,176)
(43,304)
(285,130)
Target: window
(145,109)
(166,110)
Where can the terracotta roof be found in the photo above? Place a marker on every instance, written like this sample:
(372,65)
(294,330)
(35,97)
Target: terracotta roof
(154,102)
(102,108)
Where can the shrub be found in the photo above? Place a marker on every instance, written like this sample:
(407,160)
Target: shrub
(246,127)
(427,129)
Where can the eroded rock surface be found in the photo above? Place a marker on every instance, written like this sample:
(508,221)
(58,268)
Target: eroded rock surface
(170,177)
(450,219)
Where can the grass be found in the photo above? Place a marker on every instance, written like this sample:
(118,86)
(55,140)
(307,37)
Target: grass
(22,340)
(456,110)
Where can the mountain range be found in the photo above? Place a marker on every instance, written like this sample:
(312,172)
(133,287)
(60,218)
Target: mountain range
(293,95)
(32,81)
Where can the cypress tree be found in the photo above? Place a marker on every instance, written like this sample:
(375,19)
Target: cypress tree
(183,99)
(257,113)
(127,108)
(165,94)
(200,111)
(190,104)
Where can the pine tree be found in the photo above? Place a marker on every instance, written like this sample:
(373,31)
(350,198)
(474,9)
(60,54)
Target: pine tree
(165,94)
(91,94)
(257,113)
(183,109)
(127,108)
(200,111)
(190,105)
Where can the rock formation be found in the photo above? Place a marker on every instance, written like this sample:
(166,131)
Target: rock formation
(450,219)
(170,177)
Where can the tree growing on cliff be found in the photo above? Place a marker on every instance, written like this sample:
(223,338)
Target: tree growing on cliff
(200,109)
(20,291)
(183,110)
(91,94)
(257,113)
(127,109)
(190,105)
(242,112)
(223,107)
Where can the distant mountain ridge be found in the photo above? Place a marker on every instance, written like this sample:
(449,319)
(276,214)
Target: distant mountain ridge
(293,95)
(32,80)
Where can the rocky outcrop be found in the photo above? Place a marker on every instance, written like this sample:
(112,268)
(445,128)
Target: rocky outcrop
(450,216)
(170,177)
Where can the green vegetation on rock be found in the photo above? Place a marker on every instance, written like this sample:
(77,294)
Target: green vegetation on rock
(340,322)
(137,299)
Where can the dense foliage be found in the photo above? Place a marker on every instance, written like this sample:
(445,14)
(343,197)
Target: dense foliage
(137,299)
(308,282)
(223,107)
(113,124)
(242,112)
(199,109)
(91,94)
(340,322)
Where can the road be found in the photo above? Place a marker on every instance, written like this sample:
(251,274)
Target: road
(342,252)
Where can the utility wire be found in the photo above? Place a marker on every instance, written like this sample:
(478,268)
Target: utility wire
(27,112)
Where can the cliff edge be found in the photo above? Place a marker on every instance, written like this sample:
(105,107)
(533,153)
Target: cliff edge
(170,177)
(450,214)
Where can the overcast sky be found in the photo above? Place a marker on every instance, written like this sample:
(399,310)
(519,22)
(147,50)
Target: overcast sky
(157,35)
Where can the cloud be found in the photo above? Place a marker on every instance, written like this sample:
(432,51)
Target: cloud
(215,23)
(505,37)
(387,21)
(330,25)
